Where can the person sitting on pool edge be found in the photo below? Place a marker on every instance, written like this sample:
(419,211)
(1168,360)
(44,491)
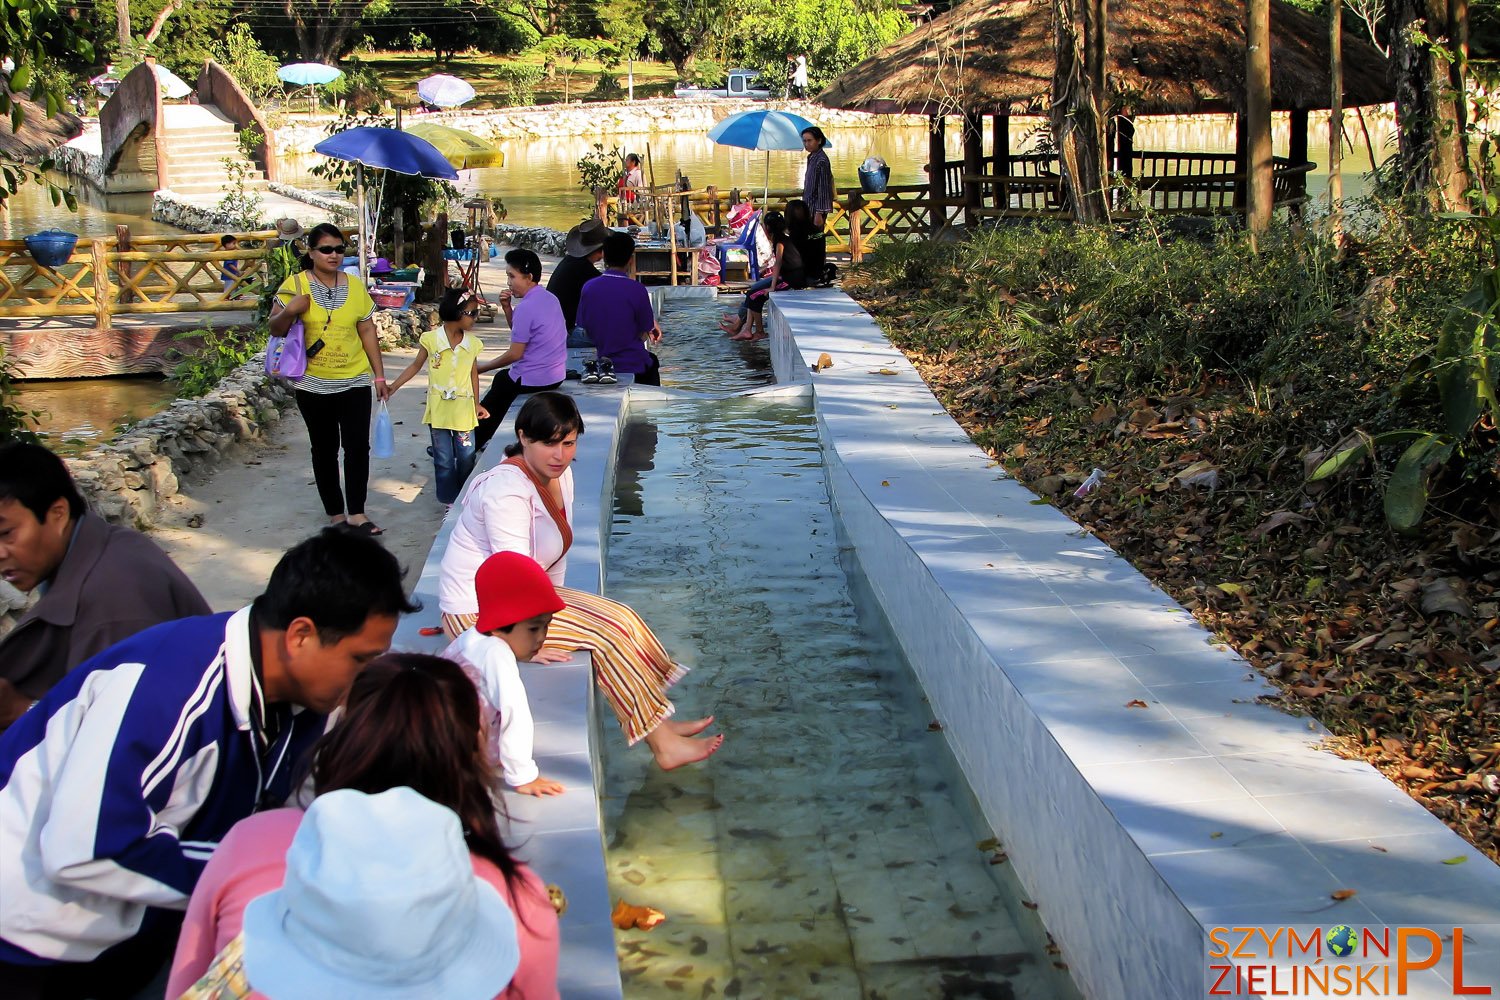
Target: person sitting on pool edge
(615,311)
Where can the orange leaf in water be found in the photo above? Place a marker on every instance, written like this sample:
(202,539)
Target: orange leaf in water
(1345,893)
(1136,703)
(626,916)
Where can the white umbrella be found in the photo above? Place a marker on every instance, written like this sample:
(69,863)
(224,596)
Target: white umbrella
(445,91)
(171,84)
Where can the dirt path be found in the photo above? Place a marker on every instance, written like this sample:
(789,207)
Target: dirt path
(262,501)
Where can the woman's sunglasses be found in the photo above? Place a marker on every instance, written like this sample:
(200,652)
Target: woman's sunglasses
(331,248)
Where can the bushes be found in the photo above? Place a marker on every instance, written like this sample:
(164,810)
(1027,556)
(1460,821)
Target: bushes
(224,349)
(1152,310)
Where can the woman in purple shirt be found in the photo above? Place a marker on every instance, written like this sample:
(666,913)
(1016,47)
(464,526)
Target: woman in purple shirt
(538,352)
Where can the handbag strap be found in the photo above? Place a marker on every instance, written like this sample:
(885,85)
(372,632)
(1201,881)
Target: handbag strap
(554,509)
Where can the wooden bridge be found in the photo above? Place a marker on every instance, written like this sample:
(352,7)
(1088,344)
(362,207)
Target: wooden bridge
(177,279)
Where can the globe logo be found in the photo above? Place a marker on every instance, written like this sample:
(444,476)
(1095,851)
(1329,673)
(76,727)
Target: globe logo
(1342,940)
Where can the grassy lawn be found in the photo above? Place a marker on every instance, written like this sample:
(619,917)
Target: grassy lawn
(400,71)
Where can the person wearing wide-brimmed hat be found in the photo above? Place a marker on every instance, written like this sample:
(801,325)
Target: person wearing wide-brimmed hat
(380,899)
(289,230)
(583,250)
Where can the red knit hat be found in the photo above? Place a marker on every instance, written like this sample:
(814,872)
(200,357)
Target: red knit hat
(512,588)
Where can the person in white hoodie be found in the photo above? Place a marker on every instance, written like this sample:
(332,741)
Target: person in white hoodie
(516,604)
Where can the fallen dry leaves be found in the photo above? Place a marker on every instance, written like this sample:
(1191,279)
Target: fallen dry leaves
(626,916)
(1390,641)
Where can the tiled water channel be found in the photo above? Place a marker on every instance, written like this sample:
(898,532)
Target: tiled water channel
(830,849)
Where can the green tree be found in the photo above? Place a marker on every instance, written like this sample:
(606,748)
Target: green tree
(835,34)
(255,68)
(36,35)
(179,33)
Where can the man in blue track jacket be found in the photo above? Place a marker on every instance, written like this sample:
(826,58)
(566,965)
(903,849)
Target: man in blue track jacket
(116,786)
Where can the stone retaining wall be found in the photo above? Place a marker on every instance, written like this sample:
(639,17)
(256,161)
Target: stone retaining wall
(667,114)
(547,242)
(130,479)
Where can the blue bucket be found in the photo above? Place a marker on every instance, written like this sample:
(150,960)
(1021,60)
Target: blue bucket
(51,247)
(874,181)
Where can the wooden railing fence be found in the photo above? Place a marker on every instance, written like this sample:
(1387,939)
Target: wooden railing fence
(123,274)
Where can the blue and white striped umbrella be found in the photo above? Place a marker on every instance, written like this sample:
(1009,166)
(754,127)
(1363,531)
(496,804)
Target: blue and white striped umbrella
(762,129)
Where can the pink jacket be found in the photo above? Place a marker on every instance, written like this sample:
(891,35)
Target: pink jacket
(250,862)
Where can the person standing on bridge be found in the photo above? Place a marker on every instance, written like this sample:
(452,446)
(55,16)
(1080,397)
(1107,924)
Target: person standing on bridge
(343,362)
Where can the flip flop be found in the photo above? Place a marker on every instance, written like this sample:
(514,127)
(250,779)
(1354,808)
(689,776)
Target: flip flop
(369,528)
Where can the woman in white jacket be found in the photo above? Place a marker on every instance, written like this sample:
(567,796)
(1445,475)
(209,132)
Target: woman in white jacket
(524,505)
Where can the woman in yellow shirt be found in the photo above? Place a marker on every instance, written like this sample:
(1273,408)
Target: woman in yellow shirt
(453,409)
(343,362)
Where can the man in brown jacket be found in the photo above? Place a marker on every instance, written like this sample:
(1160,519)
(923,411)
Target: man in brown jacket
(98,583)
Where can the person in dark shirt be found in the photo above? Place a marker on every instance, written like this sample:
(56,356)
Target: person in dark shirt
(584,248)
(616,312)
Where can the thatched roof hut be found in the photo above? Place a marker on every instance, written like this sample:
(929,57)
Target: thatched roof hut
(1166,57)
(38,135)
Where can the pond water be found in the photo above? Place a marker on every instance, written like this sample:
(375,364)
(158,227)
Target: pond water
(539,181)
(78,414)
(832,848)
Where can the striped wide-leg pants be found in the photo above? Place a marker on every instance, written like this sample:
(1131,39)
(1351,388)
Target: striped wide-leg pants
(630,665)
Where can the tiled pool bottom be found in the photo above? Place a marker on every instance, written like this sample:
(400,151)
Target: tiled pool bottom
(695,354)
(829,849)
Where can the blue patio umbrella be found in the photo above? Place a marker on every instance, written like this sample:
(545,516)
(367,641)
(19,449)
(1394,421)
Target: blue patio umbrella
(383,149)
(445,91)
(308,74)
(761,128)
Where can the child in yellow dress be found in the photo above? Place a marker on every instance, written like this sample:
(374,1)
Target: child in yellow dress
(453,409)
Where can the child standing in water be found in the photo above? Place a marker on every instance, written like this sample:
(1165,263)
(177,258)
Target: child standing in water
(453,408)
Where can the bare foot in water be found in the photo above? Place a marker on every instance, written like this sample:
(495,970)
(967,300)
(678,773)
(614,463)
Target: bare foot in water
(673,750)
(746,335)
(691,728)
(730,325)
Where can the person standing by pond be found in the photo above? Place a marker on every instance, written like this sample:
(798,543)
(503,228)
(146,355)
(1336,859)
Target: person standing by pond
(343,363)
(525,505)
(817,182)
(537,357)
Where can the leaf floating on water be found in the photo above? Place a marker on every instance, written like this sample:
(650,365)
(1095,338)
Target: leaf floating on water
(1136,703)
(988,844)
(1377,847)
(1456,861)
(934,726)
(1039,502)
(1216,835)
(626,916)
(1342,894)
(633,877)
(1028,904)
(885,482)
(699,947)
(751,833)
(683,973)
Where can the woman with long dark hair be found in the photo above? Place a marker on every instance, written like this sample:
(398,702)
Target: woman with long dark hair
(787,272)
(343,363)
(525,505)
(410,720)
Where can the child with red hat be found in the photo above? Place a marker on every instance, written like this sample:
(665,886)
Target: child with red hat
(516,604)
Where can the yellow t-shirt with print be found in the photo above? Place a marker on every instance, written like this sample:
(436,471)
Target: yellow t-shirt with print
(450,382)
(343,355)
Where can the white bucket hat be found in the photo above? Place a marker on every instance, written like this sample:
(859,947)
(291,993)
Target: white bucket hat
(380,901)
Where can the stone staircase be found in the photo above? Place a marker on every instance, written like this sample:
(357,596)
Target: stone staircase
(198,138)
